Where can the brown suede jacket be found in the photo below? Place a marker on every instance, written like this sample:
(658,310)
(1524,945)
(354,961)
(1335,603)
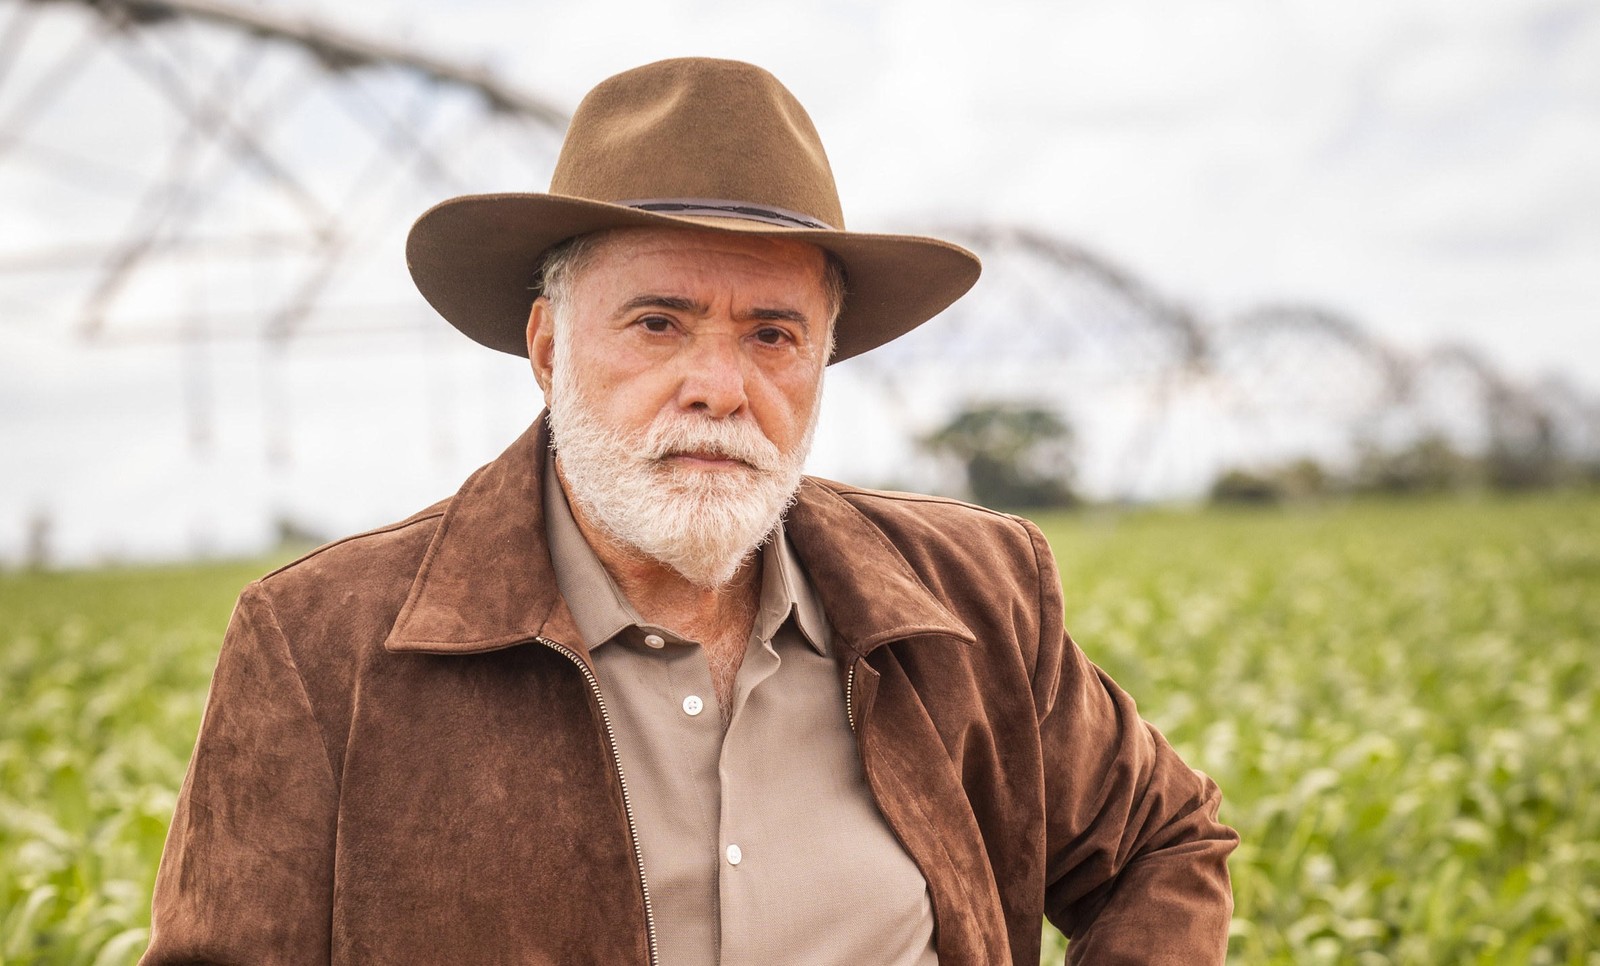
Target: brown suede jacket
(405,757)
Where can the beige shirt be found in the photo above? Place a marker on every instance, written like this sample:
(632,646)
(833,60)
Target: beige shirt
(761,845)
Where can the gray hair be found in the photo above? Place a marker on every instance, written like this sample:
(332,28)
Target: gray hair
(565,261)
(562,263)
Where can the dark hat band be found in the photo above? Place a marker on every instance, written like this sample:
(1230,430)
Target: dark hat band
(717,208)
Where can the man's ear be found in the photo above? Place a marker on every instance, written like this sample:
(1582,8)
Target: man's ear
(542,343)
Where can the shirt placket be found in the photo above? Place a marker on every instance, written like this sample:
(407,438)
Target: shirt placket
(744,859)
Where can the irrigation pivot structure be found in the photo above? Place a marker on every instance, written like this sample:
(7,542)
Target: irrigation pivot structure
(195,172)
(1162,398)
(234,186)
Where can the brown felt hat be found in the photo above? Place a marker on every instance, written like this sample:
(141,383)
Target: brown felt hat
(694,142)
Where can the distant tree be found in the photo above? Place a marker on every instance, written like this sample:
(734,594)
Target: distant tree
(1431,464)
(1305,479)
(1525,456)
(1015,455)
(1530,460)
(294,533)
(1301,479)
(41,525)
(1243,487)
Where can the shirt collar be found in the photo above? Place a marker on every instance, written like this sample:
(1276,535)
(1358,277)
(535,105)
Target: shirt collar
(601,610)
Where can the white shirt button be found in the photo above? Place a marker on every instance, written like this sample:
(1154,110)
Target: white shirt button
(692,705)
(735,855)
(654,640)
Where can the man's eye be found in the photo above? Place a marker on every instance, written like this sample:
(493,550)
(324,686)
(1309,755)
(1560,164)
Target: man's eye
(656,323)
(772,336)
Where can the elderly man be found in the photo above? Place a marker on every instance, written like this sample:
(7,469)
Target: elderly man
(640,692)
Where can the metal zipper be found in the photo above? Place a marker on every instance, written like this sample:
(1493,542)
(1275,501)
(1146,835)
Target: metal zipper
(616,760)
(849,695)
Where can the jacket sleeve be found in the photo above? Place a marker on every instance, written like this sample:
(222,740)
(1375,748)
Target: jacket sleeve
(247,872)
(1136,865)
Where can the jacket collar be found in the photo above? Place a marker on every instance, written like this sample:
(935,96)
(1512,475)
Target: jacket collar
(487,581)
(868,590)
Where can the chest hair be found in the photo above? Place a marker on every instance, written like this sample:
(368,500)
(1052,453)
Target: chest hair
(723,644)
(723,657)
(722,631)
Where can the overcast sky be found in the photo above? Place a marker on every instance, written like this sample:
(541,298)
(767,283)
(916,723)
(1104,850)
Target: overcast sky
(1429,168)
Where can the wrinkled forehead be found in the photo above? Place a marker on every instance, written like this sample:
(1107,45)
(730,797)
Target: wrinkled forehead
(689,249)
(594,275)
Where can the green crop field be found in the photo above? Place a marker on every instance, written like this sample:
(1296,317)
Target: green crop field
(1400,701)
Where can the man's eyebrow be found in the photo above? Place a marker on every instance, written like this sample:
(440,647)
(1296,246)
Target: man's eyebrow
(678,303)
(650,300)
(780,315)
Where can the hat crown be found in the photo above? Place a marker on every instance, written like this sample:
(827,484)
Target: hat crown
(699,128)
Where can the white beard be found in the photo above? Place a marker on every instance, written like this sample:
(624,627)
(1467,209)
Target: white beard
(703,524)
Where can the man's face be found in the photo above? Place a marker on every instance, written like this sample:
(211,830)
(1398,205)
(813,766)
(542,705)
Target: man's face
(672,320)
(683,378)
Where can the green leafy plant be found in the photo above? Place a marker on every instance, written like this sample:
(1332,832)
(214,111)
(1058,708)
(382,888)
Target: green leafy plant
(1400,700)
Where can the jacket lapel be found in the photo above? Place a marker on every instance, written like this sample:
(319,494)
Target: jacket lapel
(868,590)
(486,581)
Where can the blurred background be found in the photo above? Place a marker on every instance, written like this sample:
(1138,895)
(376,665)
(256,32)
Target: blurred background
(1222,237)
(1339,264)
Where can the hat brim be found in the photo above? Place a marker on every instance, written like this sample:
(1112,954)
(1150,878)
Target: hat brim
(474,258)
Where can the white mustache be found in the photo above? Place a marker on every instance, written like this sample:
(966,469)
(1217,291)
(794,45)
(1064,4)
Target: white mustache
(740,440)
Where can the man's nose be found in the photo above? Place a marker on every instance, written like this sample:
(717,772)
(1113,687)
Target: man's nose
(713,377)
